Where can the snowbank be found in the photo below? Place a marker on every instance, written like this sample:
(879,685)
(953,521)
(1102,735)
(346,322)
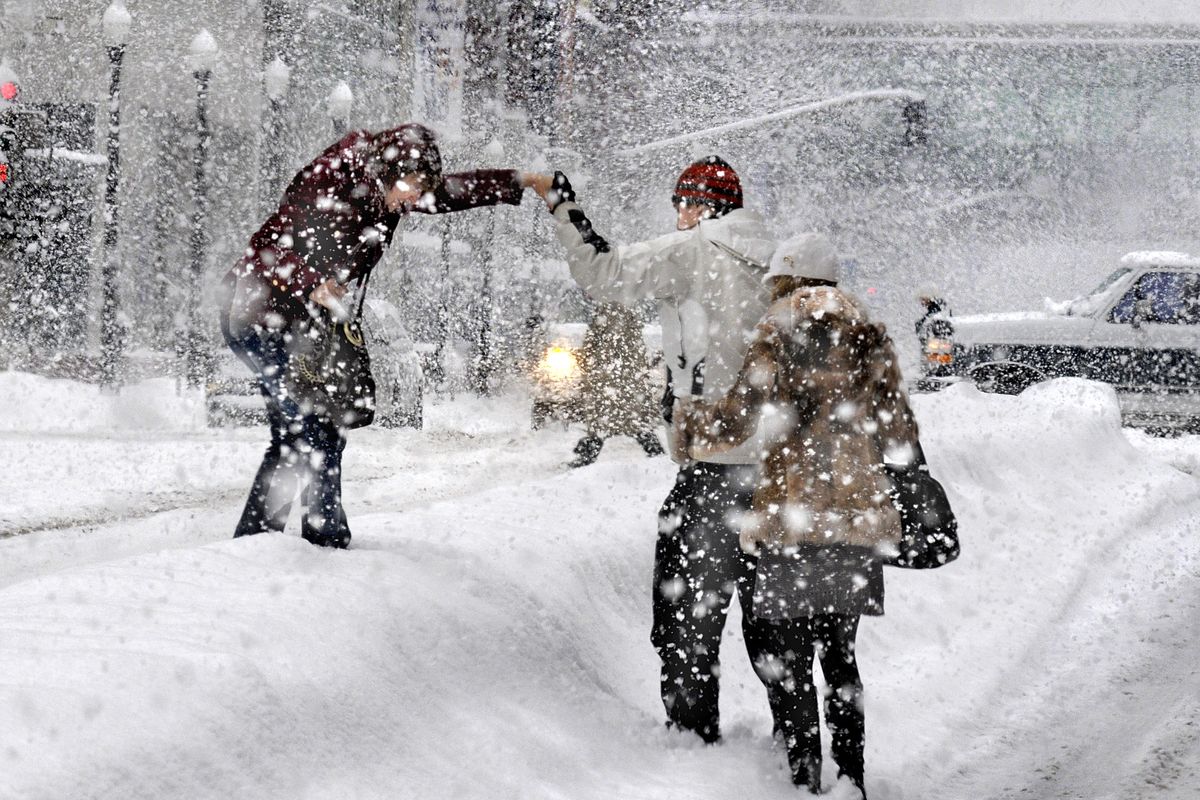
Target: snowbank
(494,644)
(33,403)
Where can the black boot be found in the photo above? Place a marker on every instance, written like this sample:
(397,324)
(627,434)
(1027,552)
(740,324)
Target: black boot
(857,780)
(806,772)
(338,540)
(651,446)
(587,450)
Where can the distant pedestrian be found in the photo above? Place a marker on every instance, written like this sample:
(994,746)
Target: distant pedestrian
(824,379)
(934,333)
(934,320)
(615,397)
(335,220)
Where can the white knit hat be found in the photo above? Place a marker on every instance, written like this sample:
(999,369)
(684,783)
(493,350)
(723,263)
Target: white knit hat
(809,255)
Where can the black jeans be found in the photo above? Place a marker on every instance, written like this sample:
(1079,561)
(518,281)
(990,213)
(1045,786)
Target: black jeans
(787,668)
(305,451)
(698,567)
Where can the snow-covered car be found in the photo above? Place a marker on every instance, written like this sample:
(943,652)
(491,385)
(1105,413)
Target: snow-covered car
(1139,330)
(556,376)
(234,398)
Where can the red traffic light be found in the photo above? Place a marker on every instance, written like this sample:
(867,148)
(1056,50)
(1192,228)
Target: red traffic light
(3,173)
(9,90)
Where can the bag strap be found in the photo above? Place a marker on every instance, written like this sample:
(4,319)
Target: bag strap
(362,296)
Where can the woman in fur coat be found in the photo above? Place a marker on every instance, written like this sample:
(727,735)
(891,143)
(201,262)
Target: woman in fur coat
(824,381)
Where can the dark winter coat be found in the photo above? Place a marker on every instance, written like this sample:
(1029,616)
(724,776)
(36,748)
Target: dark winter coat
(333,223)
(615,395)
(934,321)
(825,383)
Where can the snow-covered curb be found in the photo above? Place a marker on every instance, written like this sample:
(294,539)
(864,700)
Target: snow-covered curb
(32,403)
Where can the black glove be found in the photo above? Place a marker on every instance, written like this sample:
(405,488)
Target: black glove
(560,192)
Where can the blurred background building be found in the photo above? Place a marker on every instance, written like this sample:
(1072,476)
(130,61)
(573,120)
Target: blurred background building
(1000,161)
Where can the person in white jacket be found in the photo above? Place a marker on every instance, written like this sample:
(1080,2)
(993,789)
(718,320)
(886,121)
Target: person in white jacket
(707,280)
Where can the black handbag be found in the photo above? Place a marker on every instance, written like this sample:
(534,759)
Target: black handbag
(333,376)
(929,537)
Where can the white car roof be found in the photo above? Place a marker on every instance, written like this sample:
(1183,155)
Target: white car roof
(1164,258)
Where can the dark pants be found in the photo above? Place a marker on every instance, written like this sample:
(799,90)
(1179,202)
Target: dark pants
(787,669)
(305,453)
(698,567)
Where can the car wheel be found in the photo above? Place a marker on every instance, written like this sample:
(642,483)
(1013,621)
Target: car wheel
(1004,378)
(1163,431)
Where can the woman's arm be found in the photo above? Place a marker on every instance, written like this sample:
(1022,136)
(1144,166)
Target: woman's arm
(712,428)
(897,431)
(464,190)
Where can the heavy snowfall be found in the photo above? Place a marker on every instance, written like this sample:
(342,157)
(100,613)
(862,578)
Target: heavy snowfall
(1022,174)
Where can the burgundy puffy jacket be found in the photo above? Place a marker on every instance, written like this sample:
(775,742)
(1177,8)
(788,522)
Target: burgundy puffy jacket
(333,223)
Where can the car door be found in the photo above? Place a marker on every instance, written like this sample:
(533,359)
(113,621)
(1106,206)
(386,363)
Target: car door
(1150,335)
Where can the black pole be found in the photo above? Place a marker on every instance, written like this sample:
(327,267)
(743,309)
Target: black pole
(197,363)
(485,365)
(443,318)
(274,158)
(111,344)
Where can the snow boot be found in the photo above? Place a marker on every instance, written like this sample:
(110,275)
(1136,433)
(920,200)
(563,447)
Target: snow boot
(651,446)
(806,773)
(587,450)
(709,734)
(857,780)
(339,540)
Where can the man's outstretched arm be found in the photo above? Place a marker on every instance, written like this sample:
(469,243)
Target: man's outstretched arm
(624,273)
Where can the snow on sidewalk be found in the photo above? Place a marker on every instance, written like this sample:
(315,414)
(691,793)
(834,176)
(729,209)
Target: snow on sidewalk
(494,643)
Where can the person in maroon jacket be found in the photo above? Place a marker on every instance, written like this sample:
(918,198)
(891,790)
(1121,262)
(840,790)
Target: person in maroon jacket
(337,217)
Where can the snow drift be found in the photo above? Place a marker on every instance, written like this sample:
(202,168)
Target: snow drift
(495,644)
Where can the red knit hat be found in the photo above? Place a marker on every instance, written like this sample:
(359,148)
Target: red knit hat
(711,182)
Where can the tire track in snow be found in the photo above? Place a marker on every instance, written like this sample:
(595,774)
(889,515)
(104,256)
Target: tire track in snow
(427,472)
(469,450)
(1073,718)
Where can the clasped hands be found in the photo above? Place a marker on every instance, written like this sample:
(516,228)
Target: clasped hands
(553,189)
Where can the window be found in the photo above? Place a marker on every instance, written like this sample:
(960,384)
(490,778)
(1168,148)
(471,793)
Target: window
(1109,281)
(1171,298)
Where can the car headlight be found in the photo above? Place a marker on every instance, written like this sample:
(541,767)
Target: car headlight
(558,364)
(939,351)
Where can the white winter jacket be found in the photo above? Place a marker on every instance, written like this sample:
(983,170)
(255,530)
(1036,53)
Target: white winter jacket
(708,284)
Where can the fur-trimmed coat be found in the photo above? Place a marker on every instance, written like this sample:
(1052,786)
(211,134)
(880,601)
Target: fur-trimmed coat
(825,382)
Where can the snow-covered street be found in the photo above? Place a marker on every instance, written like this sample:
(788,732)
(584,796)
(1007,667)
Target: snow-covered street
(486,636)
(369,257)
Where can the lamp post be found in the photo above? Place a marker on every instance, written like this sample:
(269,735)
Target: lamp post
(202,59)
(276,77)
(115,23)
(485,358)
(340,101)
(443,318)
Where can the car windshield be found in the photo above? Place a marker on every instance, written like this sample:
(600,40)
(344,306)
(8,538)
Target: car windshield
(1109,281)
(1086,304)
